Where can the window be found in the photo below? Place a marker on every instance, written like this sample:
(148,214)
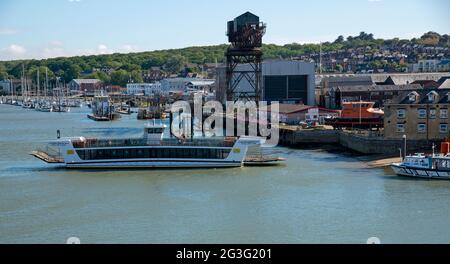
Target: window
(432,113)
(443,113)
(421,128)
(400,128)
(422,113)
(443,128)
(401,113)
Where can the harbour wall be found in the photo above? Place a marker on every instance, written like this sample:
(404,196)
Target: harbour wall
(365,143)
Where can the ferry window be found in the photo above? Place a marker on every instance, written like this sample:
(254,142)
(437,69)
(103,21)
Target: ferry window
(133,153)
(421,128)
(81,154)
(400,128)
(422,113)
(443,128)
(443,113)
(401,113)
(166,153)
(432,113)
(152,153)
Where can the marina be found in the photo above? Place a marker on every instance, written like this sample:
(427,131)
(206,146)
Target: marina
(232,132)
(219,204)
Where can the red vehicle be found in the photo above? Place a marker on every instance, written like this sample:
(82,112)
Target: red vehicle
(358,115)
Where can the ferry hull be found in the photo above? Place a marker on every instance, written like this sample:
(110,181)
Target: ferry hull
(153,164)
(420,173)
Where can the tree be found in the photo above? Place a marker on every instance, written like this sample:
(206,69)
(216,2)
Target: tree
(102,76)
(32,73)
(71,72)
(120,77)
(3,73)
(339,40)
(175,63)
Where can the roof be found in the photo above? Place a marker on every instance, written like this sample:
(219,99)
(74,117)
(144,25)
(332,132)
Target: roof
(295,108)
(441,97)
(378,88)
(347,81)
(86,81)
(202,82)
(445,84)
(427,83)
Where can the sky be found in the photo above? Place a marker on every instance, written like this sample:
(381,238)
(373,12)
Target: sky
(53,28)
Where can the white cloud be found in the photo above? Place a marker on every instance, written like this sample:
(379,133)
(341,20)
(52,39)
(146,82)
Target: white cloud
(74,1)
(12,52)
(103,49)
(128,48)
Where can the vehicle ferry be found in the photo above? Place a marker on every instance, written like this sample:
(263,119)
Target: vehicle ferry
(149,151)
(436,166)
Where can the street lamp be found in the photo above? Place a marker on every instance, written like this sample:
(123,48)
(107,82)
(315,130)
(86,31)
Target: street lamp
(404,147)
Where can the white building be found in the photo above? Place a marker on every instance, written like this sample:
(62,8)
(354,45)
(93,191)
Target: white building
(201,85)
(143,88)
(425,66)
(181,85)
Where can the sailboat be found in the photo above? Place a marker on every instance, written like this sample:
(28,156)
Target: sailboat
(45,105)
(58,104)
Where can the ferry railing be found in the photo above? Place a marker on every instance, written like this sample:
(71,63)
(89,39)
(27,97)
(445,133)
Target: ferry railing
(51,152)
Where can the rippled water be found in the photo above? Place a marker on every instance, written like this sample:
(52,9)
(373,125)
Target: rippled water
(318,197)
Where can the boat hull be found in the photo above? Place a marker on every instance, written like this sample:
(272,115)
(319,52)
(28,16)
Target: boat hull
(153,164)
(420,172)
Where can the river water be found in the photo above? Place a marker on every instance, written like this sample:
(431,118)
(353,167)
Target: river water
(317,197)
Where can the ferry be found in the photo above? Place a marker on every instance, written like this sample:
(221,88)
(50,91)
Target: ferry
(149,151)
(435,166)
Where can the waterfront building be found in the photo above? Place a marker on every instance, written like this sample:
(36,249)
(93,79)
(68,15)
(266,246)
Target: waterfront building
(143,88)
(178,85)
(282,80)
(420,115)
(205,86)
(88,86)
(333,90)
(5,87)
(293,114)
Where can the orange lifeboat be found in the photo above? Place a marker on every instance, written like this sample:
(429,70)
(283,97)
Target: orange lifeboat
(358,115)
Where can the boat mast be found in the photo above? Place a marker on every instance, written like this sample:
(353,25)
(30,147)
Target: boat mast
(38,85)
(46,82)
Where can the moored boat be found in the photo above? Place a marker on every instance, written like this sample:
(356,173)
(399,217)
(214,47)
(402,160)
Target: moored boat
(103,109)
(435,166)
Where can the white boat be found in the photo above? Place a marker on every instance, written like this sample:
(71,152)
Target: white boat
(421,166)
(44,107)
(149,151)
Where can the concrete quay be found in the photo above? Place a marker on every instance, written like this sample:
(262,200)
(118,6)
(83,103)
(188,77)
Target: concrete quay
(364,142)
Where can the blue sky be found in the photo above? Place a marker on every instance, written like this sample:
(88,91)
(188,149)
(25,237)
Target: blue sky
(50,28)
